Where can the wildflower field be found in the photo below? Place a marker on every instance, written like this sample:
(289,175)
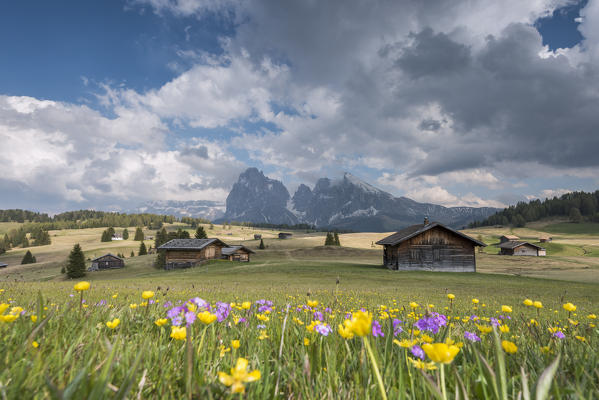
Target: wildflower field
(133,339)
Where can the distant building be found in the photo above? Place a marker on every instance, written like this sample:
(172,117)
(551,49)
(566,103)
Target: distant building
(257,237)
(285,235)
(107,261)
(117,237)
(186,253)
(508,238)
(515,248)
(430,247)
(2,265)
(236,253)
(545,239)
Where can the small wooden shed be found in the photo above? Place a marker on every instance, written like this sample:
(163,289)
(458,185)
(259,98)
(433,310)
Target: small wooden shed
(257,236)
(107,261)
(545,239)
(236,253)
(508,238)
(186,253)
(430,247)
(515,248)
(285,235)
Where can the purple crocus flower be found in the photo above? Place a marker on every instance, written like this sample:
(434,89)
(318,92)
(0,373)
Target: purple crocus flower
(222,311)
(559,335)
(318,316)
(327,310)
(495,322)
(376,329)
(396,328)
(471,336)
(190,317)
(323,329)
(431,322)
(241,320)
(347,316)
(417,351)
(168,304)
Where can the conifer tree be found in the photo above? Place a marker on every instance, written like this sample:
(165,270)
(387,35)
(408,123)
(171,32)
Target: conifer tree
(111,232)
(28,258)
(125,234)
(261,247)
(161,238)
(329,241)
(139,235)
(336,239)
(211,226)
(142,249)
(25,242)
(160,261)
(106,236)
(201,233)
(76,263)
(7,243)
(132,254)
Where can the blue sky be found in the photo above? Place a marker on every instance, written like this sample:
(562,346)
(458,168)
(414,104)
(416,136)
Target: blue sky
(457,105)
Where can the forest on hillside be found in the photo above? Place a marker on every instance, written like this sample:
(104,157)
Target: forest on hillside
(577,206)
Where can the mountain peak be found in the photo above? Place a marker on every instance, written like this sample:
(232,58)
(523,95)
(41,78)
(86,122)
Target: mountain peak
(354,180)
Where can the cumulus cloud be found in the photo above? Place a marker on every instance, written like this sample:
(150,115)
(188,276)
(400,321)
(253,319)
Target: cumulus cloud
(431,97)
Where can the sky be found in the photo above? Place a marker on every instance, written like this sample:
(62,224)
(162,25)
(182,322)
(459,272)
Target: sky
(110,104)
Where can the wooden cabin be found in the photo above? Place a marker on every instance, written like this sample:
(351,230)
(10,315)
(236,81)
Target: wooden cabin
(285,235)
(186,253)
(508,238)
(545,239)
(107,261)
(236,253)
(429,247)
(257,236)
(521,249)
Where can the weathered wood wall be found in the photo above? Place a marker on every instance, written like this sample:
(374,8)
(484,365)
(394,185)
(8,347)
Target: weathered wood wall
(207,253)
(107,262)
(520,251)
(433,250)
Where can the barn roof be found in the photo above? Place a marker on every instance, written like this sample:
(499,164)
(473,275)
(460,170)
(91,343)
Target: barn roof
(514,244)
(226,251)
(511,237)
(415,230)
(108,255)
(190,244)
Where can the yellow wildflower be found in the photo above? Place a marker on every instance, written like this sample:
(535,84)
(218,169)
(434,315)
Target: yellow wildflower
(224,350)
(360,323)
(504,328)
(451,296)
(474,301)
(114,323)
(133,306)
(178,332)
(591,316)
(506,309)
(414,304)
(263,335)
(239,376)
(440,352)
(345,330)
(306,341)
(262,317)
(147,294)
(312,303)
(235,344)
(537,304)
(161,321)
(569,307)
(246,305)
(509,347)
(81,286)
(426,338)
(33,318)
(206,317)
(527,302)
(581,338)
(426,366)
(35,344)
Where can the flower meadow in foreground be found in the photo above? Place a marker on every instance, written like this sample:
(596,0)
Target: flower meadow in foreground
(156,344)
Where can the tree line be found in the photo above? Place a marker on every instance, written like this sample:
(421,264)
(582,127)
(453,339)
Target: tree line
(577,206)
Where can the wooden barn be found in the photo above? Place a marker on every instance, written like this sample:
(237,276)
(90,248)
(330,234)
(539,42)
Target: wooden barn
(285,235)
(186,253)
(107,261)
(545,239)
(429,247)
(508,238)
(236,253)
(521,249)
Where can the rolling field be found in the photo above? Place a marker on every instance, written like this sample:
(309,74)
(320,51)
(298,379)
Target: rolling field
(293,315)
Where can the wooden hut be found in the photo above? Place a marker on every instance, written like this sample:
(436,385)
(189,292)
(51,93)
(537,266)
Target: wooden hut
(236,253)
(186,253)
(545,239)
(285,235)
(515,248)
(430,247)
(508,238)
(257,236)
(107,261)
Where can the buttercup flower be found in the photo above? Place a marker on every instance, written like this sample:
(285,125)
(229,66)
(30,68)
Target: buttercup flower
(114,323)
(509,347)
(81,286)
(569,307)
(147,294)
(441,352)
(239,376)
(178,332)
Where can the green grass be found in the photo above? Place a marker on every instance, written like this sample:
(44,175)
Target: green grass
(569,228)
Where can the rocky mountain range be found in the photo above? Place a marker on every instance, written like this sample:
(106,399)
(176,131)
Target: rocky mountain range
(347,203)
(193,208)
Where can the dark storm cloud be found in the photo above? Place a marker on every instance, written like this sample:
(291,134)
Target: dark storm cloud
(201,151)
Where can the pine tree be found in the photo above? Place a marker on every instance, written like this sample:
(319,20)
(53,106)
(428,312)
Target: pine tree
(139,235)
(132,254)
(211,226)
(181,234)
(336,239)
(28,258)
(160,261)
(43,239)
(261,247)
(125,234)
(201,233)
(142,249)
(575,215)
(7,244)
(25,242)
(76,263)
(161,238)
(111,232)
(329,241)
(106,236)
